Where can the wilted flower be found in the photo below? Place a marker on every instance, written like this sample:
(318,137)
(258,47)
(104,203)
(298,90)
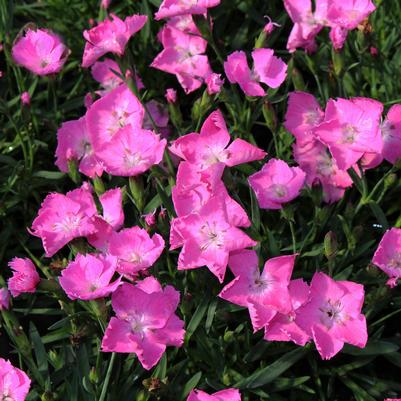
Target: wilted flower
(40,51)
(4,299)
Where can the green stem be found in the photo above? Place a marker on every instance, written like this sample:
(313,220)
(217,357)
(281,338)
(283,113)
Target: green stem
(107,378)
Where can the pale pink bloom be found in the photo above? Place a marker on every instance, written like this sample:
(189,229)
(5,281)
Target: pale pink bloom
(388,254)
(62,218)
(391,132)
(102,72)
(74,143)
(150,218)
(348,14)
(307,24)
(263,293)
(183,55)
(267,68)
(131,152)
(173,8)
(110,36)
(332,316)
(350,129)
(207,237)
(283,326)
(270,26)
(184,23)
(145,321)
(277,183)
(25,98)
(135,249)
(171,95)
(210,146)
(40,51)
(14,383)
(194,188)
(214,83)
(112,219)
(25,277)
(230,394)
(303,115)
(4,299)
(89,277)
(112,112)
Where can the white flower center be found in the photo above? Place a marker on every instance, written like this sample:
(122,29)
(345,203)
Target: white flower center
(332,313)
(211,236)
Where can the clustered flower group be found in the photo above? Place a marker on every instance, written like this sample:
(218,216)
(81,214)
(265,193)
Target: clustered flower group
(117,136)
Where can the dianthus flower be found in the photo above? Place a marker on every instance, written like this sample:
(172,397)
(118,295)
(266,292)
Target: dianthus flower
(25,277)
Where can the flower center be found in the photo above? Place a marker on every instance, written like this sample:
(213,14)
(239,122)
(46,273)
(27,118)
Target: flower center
(332,313)
(211,236)
(395,262)
(349,134)
(279,190)
(312,117)
(132,159)
(69,223)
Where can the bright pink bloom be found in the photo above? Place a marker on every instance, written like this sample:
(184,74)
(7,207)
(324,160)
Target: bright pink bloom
(194,188)
(283,326)
(25,277)
(74,143)
(351,128)
(267,68)
(62,218)
(25,98)
(183,55)
(171,95)
(391,132)
(277,183)
(333,316)
(14,383)
(4,299)
(173,8)
(135,249)
(110,36)
(263,293)
(131,152)
(145,321)
(388,254)
(109,114)
(303,115)
(214,83)
(230,394)
(40,51)
(210,145)
(89,277)
(207,238)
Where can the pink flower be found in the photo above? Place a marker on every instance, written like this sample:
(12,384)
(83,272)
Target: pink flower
(131,152)
(62,218)
(214,83)
(230,394)
(338,36)
(171,95)
(102,72)
(4,299)
(350,129)
(270,26)
(89,277)
(40,51)
(267,68)
(283,326)
(388,254)
(173,8)
(159,114)
(207,238)
(14,383)
(135,249)
(110,36)
(25,98)
(105,4)
(25,277)
(391,132)
(109,114)
(150,218)
(210,145)
(183,55)
(277,183)
(333,316)
(303,115)
(373,51)
(74,143)
(145,321)
(194,188)
(348,14)
(263,293)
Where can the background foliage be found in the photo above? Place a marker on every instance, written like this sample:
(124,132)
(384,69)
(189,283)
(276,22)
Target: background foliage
(57,341)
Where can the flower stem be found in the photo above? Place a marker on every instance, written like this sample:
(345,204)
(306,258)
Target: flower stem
(107,378)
